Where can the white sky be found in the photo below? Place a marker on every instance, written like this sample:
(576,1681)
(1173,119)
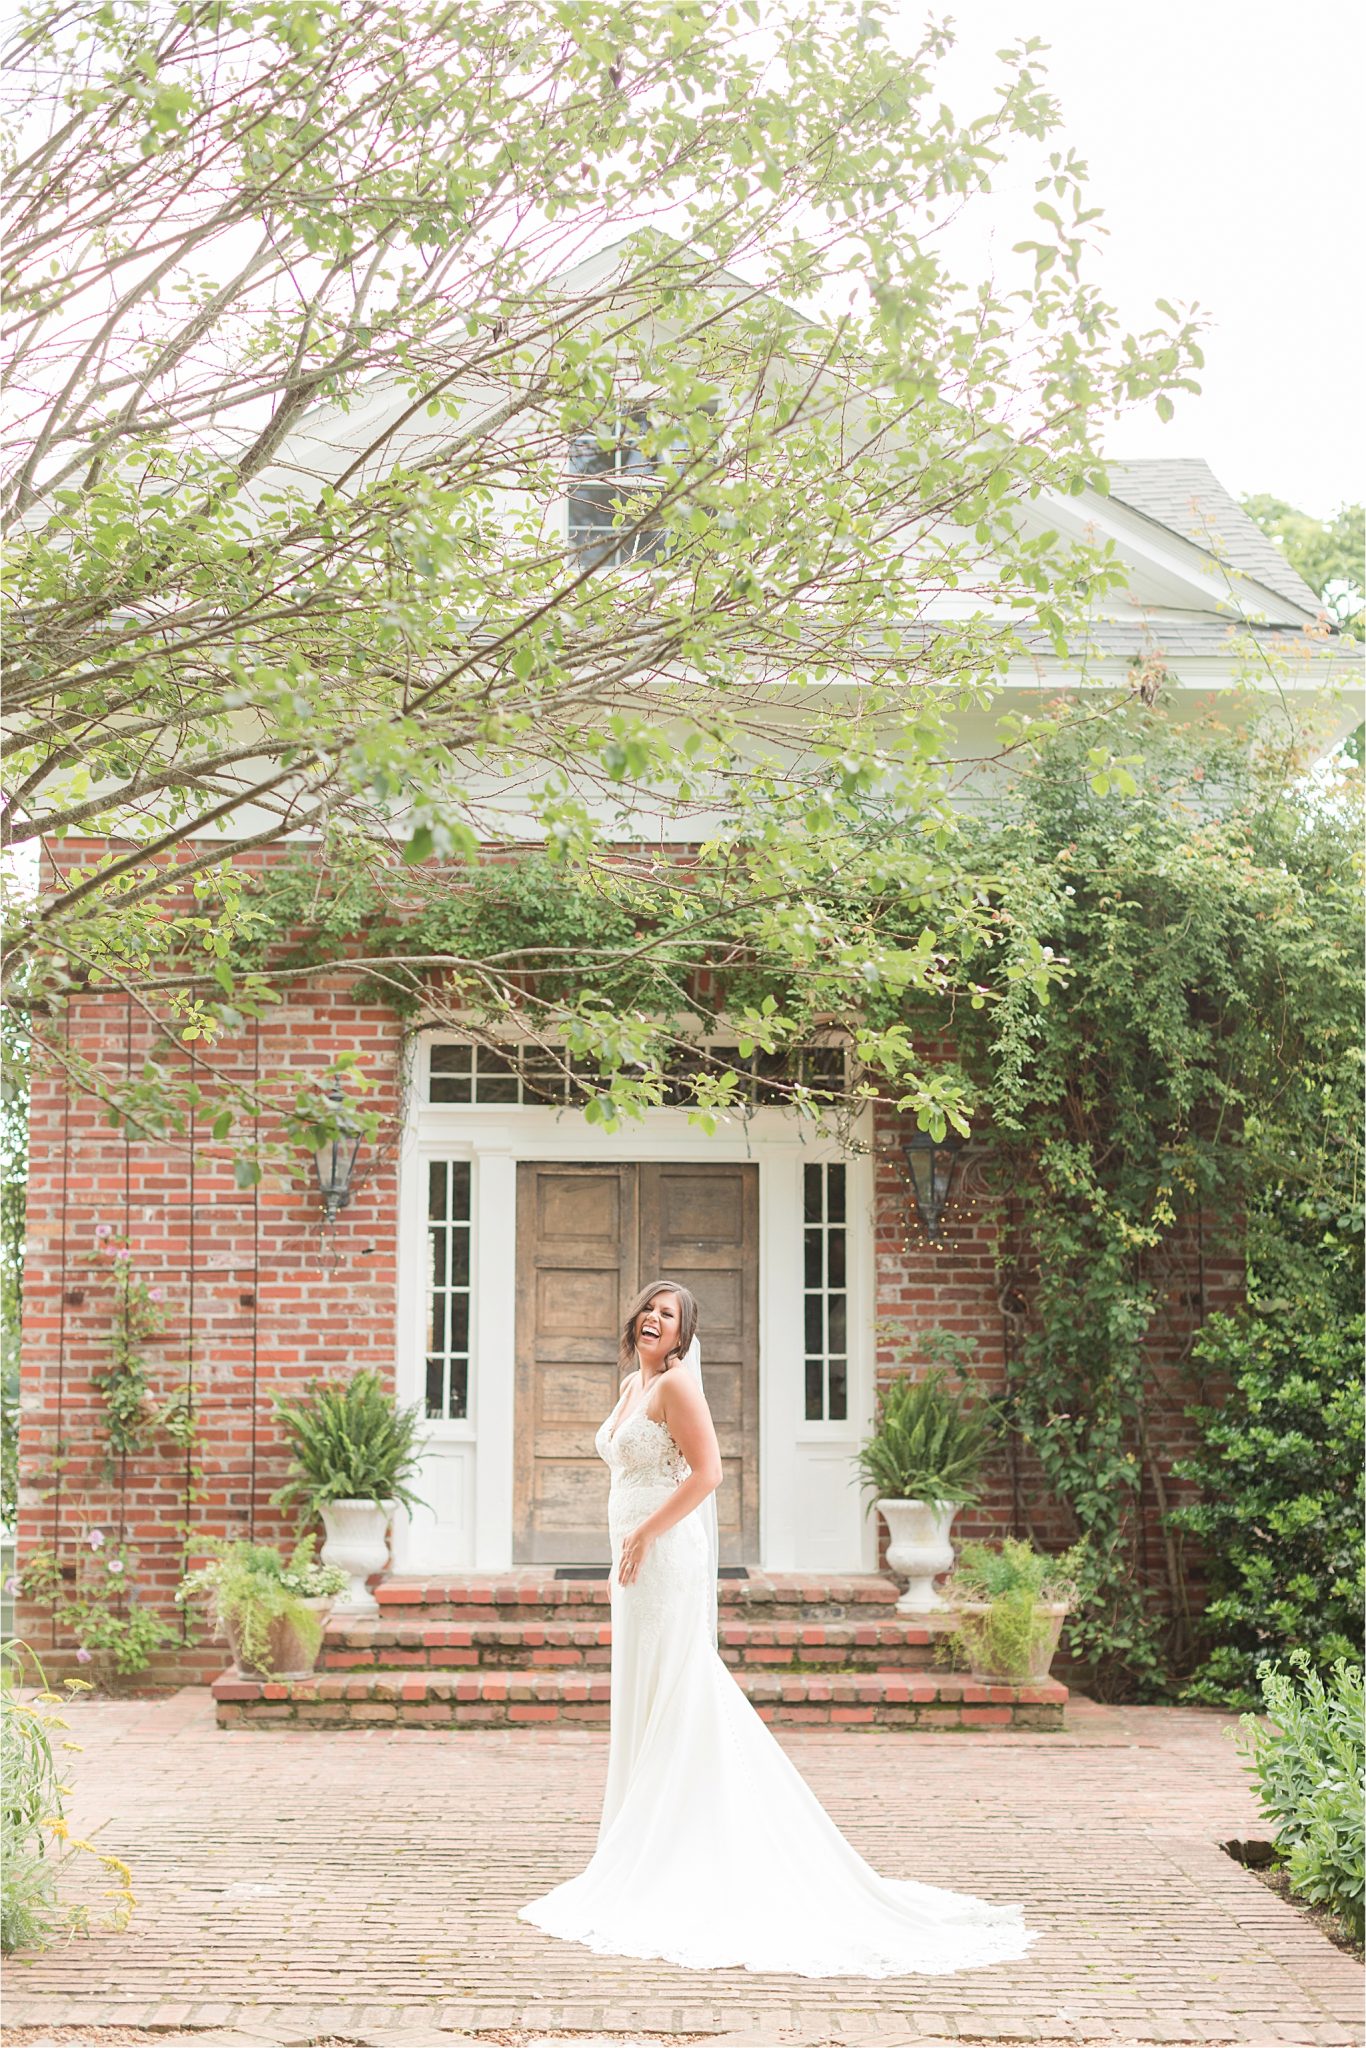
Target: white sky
(1222,138)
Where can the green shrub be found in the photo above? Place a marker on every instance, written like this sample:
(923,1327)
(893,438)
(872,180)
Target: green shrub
(33,1826)
(1205,1045)
(1310,1768)
(350,1442)
(930,1442)
(1280,1467)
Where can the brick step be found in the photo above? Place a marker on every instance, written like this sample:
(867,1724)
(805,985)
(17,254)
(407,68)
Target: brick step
(844,1701)
(875,1644)
(533,1593)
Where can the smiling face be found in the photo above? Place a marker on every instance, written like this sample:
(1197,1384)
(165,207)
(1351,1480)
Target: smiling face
(660,1325)
(657,1327)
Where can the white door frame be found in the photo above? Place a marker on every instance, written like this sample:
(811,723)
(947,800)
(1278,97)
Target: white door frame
(477,1454)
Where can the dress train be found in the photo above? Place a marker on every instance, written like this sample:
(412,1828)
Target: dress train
(712,1851)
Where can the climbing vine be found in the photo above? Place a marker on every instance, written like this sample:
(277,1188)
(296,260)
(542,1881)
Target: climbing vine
(133,1412)
(1202,1058)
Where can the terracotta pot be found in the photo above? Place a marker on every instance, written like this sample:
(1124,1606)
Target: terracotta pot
(288,1653)
(920,1547)
(1054,1613)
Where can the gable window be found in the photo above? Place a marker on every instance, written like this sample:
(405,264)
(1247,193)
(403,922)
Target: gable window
(613,489)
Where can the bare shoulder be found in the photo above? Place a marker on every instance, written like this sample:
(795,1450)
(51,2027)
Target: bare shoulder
(682,1394)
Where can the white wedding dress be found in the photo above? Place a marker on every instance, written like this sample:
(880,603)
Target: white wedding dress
(712,1851)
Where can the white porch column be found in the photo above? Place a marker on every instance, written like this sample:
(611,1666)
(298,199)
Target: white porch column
(493,1353)
(780,1342)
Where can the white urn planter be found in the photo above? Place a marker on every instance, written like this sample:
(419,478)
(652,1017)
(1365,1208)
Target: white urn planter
(358,1541)
(920,1548)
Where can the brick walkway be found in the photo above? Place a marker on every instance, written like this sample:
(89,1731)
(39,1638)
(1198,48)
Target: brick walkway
(301,1884)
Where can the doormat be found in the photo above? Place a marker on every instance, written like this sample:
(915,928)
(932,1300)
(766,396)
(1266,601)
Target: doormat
(602,1571)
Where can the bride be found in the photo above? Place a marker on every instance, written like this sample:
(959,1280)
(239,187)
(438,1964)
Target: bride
(712,1852)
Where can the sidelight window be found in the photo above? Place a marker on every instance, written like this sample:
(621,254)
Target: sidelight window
(448,1290)
(825,1295)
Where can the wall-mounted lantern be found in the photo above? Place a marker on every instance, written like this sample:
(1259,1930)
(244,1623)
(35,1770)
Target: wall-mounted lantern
(931,1163)
(336,1156)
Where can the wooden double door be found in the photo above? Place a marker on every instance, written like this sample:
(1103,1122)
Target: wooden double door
(588,1238)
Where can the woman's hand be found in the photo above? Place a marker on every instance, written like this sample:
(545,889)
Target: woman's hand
(634,1552)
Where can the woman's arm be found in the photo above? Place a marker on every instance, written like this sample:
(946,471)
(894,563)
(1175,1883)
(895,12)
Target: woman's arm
(690,1425)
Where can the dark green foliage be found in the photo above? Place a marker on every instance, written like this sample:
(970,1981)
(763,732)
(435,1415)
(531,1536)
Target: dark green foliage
(349,1442)
(1281,1468)
(520,917)
(930,1442)
(1203,1050)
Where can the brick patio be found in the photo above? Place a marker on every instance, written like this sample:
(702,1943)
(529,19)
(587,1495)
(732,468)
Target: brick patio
(305,1883)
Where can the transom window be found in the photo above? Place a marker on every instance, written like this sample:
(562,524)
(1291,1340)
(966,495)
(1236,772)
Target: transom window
(528,1075)
(448,1290)
(825,1284)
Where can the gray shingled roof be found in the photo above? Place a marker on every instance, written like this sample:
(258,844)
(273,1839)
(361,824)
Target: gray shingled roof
(1176,639)
(1185,495)
(1198,638)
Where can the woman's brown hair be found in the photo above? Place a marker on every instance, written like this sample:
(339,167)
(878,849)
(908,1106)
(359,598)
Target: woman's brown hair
(687,1320)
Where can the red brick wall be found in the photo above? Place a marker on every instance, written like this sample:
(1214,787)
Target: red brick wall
(259,1299)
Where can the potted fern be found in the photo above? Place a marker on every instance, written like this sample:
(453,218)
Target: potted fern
(1010,1601)
(354,1449)
(272,1609)
(921,1465)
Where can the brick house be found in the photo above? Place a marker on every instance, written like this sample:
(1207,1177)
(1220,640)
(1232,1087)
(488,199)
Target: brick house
(492,1235)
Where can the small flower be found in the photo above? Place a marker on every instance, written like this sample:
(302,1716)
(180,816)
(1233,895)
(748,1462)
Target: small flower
(82,1655)
(116,1564)
(103,1230)
(11,1584)
(157,1294)
(96,1539)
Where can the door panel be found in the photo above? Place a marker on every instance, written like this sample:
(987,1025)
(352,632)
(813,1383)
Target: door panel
(699,1225)
(577,1234)
(587,1238)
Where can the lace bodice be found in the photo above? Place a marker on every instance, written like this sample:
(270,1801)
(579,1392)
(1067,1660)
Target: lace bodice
(645,1464)
(640,1451)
